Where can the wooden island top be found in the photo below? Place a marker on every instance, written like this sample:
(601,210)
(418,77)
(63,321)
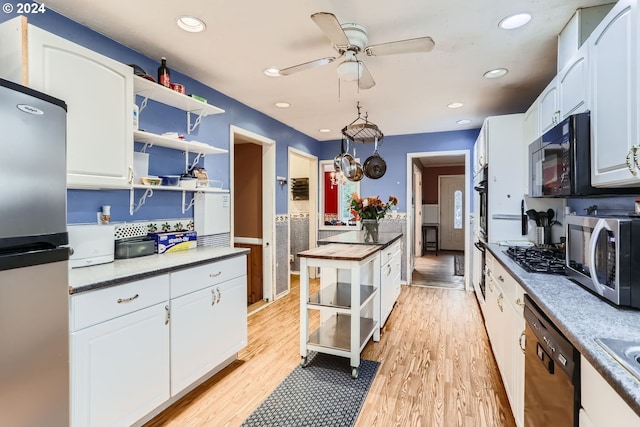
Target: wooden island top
(341,251)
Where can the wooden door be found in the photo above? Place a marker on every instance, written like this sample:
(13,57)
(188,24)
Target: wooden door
(452,213)
(254,272)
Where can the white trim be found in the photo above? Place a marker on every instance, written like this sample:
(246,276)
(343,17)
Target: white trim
(467,210)
(247,240)
(268,202)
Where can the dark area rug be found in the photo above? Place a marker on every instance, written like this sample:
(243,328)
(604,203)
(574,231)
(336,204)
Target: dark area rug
(458,265)
(322,394)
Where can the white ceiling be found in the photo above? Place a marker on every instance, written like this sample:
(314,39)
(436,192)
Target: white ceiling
(243,37)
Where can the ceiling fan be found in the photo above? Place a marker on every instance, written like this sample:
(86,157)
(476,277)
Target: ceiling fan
(350,40)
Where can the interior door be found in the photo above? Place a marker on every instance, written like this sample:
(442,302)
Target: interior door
(452,213)
(417,207)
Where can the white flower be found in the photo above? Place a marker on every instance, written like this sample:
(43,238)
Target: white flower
(365,203)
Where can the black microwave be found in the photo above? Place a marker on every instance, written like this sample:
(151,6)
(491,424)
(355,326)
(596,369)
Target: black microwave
(560,161)
(603,255)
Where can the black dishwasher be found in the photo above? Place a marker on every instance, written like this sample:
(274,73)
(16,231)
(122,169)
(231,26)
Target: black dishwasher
(552,373)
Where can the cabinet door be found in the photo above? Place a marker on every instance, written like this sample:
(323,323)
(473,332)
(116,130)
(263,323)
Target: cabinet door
(99,95)
(518,368)
(612,53)
(531,132)
(207,327)
(548,101)
(573,82)
(120,368)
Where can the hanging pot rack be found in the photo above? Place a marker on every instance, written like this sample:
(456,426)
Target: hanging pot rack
(362,130)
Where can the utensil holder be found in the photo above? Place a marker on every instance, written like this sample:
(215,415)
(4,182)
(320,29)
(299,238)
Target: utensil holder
(543,235)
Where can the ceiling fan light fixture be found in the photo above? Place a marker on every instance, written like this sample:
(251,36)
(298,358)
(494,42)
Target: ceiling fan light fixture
(349,71)
(191,24)
(515,21)
(496,73)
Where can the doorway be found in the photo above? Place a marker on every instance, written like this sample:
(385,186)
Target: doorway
(427,162)
(253,226)
(302,207)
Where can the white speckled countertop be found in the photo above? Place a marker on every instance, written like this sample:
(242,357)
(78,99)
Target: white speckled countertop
(582,317)
(126,270)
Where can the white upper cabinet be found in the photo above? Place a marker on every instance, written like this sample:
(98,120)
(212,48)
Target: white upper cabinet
(531,132)
(613,57)
(573,84)
(549,111)
(99,96)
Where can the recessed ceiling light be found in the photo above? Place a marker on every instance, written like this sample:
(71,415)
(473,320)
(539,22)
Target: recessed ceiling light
(283,104)
(272,72)
(463,122)
(496,73)
(324,130)
(515,21)
(455,105)
(191,24)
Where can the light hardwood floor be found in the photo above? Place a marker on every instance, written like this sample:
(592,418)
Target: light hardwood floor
(437,270)
(436,367)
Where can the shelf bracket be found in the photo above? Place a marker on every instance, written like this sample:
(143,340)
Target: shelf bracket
(133,207)
(143,104)
(186,207)
(146,145)
(196,123)
(195,161)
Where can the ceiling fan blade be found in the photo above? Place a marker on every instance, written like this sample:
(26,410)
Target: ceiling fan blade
(366,79)
(421,44)
(330,26)
(306,66)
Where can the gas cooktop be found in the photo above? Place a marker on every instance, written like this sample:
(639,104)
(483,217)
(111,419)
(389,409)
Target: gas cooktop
(536,259)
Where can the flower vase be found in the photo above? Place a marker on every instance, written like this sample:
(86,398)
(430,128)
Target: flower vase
(370,229)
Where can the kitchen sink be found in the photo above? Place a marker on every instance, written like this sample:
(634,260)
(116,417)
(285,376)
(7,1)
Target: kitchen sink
(627,353)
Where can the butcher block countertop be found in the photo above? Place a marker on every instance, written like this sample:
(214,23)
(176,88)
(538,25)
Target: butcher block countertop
(341,251)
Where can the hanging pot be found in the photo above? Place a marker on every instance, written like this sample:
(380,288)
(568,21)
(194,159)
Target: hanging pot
(348,164)
(375,166)
(338,159)
(358,174)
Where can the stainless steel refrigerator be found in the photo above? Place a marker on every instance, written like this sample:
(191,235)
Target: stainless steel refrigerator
(34,297)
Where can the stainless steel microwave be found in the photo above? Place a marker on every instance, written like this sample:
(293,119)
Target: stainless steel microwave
(603,255)
(560,161)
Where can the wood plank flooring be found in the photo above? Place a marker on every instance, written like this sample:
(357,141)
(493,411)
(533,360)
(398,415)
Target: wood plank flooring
(437,270)
(436,368)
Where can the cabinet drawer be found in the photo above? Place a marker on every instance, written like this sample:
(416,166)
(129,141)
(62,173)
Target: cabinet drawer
(196,278)
(93,307)
(513,292)
(389,252)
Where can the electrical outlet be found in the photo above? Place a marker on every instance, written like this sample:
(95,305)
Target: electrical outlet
(290,258)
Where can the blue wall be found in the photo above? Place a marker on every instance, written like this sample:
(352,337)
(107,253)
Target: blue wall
(157,118)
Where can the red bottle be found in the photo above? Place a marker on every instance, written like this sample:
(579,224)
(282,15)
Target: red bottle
(164,75)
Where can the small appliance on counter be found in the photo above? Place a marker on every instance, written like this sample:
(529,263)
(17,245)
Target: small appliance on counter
(91,244)
(134,247)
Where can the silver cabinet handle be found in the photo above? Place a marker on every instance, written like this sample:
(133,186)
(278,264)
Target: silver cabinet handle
(130,174)
(125,300)
(212,275)
(633,151)
(501,278)
(523,342)
(520,302)
(213,297)
(167,314)
(388,269)
(219,296)
(499,301)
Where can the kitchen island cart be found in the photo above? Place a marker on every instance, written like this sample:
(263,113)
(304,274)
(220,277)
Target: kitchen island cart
(350,312)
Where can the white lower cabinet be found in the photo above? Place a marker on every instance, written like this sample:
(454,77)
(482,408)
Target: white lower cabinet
(505,325)
(601,405)
(120,365)
(136,346)
(389,280)
(207,327)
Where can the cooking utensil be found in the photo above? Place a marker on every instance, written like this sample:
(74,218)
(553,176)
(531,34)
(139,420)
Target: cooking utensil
(337,160)
(524,224)
(543,219)
(375,166)
(532,214)
(550,214)
(348,164)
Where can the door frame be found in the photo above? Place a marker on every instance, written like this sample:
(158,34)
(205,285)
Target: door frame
(440,203)
(313,207)
(468,239)
(268,202)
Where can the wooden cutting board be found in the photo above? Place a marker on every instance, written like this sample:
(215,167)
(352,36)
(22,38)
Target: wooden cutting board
(340,251)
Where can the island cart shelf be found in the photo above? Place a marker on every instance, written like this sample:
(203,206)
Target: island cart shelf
(345,325)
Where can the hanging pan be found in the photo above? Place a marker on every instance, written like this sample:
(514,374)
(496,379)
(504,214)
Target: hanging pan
(375,166)
(338,159)
(348,164)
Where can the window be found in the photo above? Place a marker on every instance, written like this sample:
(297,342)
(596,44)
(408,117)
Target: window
(334,200)
(457,209)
